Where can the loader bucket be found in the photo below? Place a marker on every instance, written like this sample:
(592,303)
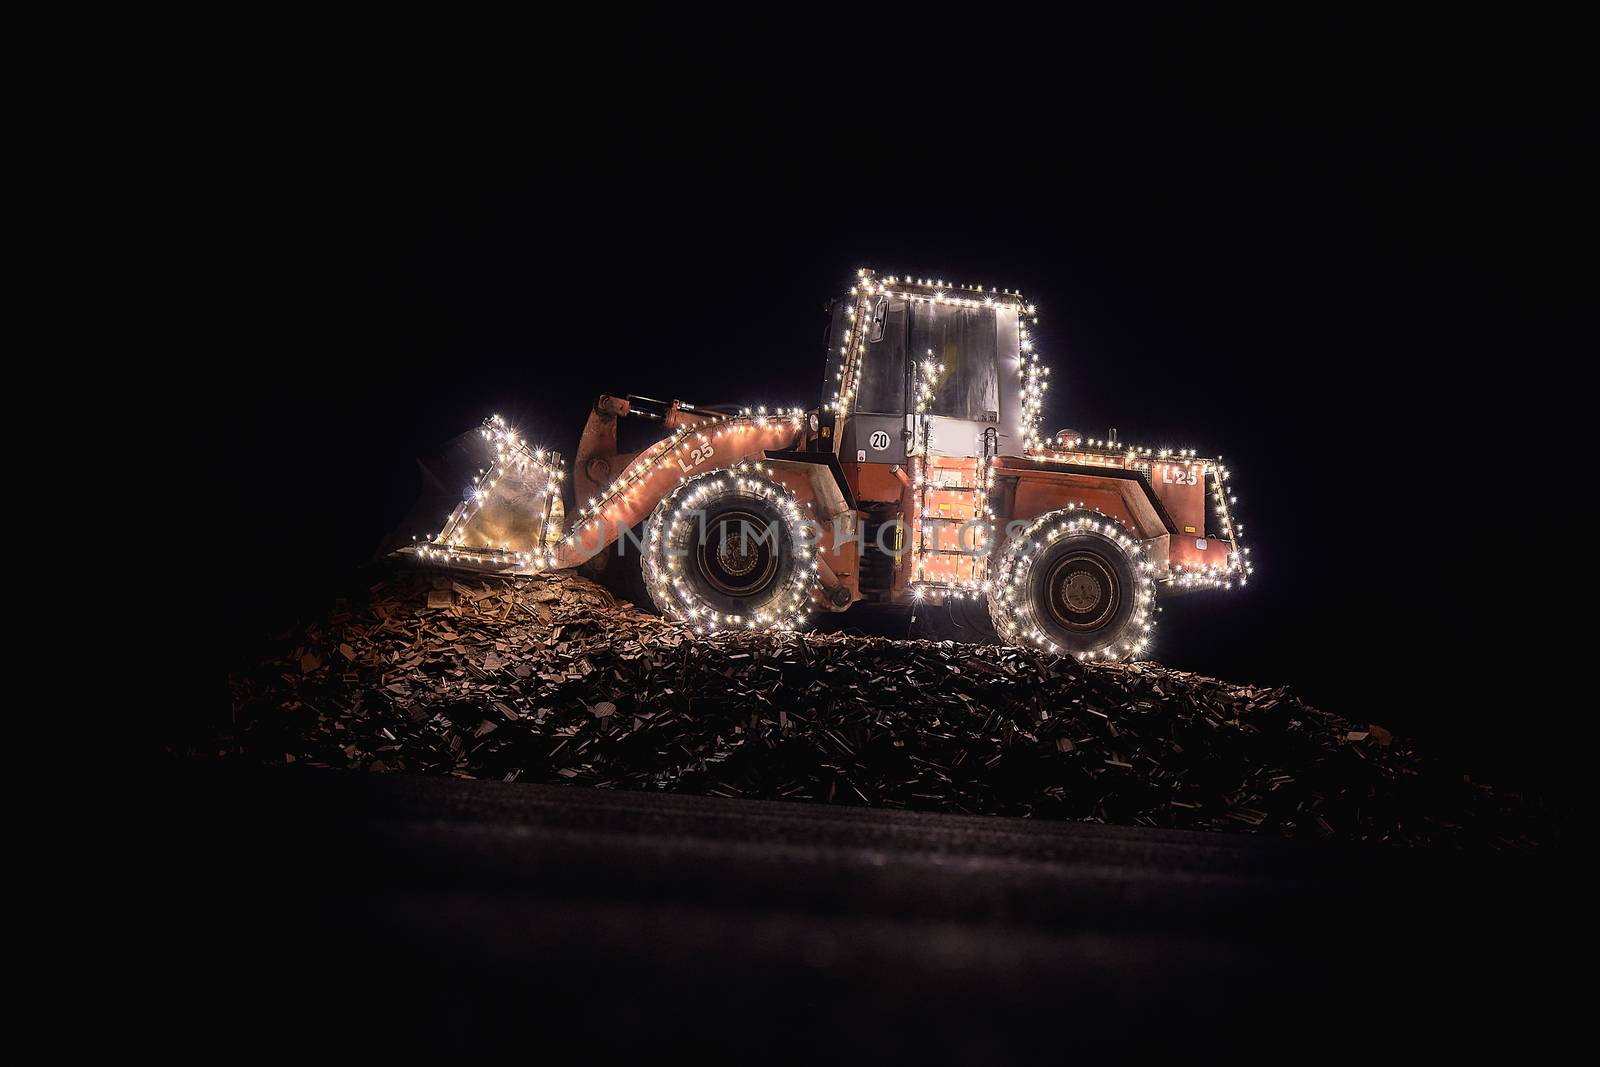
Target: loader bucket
(510,512)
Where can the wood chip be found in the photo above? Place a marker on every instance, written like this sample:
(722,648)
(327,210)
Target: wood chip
(550,678)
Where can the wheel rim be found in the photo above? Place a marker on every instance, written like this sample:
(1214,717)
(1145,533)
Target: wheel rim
(1082,592)
(734,557)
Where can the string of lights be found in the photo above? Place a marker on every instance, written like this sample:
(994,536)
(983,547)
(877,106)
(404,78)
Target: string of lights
(670,539)
(859,316)
(1238,567)
(688,445)
(1016,613)
(512,457)
(971,559)
(946,490)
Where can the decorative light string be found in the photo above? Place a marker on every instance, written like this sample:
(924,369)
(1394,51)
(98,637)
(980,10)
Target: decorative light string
(1240,565)
(670,537)
(1104,453)
(1016,614)
(1035,381)
(859,316)
(512,457)
(976,581)
(681,445)
(869,287)
(692,445)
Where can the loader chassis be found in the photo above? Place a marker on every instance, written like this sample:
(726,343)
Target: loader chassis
(922,477)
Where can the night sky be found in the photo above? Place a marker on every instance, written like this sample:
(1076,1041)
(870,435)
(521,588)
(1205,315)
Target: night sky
(1342,310)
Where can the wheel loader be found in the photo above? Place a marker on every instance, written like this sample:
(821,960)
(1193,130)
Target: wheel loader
(921,478)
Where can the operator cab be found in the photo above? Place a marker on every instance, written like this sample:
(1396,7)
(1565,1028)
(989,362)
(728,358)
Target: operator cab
(895,326)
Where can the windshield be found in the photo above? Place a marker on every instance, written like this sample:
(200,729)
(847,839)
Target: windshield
(963,339)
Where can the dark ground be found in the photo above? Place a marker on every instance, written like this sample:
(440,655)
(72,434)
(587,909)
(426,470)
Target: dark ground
(552,679)
(334,911)
(317,912)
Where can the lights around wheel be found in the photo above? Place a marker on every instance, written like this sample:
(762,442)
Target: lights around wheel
(669,541)
(1016,614)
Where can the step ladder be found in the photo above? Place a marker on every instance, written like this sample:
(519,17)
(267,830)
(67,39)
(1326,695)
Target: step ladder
(953,527)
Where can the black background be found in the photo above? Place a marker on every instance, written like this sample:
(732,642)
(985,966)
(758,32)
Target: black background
(1240,240)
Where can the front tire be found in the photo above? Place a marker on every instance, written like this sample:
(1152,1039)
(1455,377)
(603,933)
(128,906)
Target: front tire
(1074,581)
(728,550)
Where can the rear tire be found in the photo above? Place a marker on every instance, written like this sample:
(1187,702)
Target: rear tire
(1074,582)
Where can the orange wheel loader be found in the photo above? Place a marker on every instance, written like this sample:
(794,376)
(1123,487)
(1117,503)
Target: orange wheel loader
(922,477)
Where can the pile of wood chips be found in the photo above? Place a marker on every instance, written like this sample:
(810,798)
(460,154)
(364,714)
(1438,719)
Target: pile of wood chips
(551,679)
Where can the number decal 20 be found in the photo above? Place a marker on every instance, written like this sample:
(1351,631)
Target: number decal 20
(697,457)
